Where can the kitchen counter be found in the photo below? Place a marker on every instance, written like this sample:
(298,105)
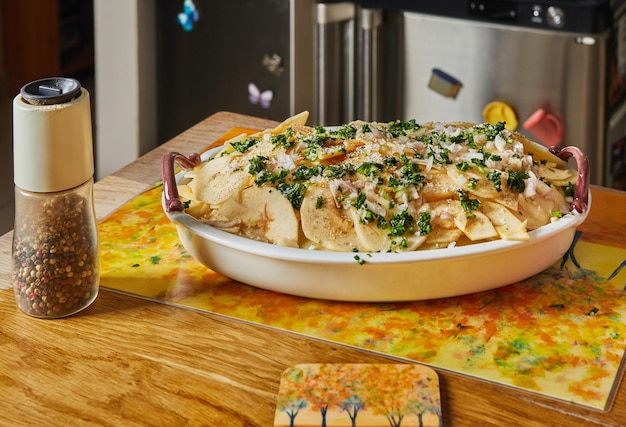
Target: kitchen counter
(130,361)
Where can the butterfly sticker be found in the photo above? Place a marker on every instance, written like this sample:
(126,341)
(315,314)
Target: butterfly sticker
(255,96)
(188,16)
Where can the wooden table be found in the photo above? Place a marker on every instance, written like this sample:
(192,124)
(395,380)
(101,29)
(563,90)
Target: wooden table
(128,361)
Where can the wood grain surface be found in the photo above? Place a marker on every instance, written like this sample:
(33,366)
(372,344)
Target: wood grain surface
(126,361)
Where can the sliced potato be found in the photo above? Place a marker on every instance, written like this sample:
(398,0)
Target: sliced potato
(219,180)
(538,209)
(371,238)
(450,213)
(508,226)
(481,186)
(442,237)
(442,213)
(265,214)
(441,186)
(326,224)
(185,192)
(557,176)
(195,207)
(536,214)
(299,119)
(507,199)
(475,225)
(540,153)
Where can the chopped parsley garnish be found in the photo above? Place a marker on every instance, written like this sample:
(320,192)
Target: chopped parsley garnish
(257,165)
(339,171)
(316,140)
(395,129)
(293,192)
(360,200)
(494,176)
(398,128)
(345,132)
(396,183)
(457,139)
(243,146)
(411,125)
(304,173)
(494,130)
(401,223)
(495,157)
(463,166)
(319,202)
(314,143)
(368,217)
(470,140)
(311,153)
(515,181)
(282,140)
(409,173)
(480,163)
(467,203)
(391,160)
(442,156)
(365,128)
(369,168)
(423,223)
(267,176)
(426,139)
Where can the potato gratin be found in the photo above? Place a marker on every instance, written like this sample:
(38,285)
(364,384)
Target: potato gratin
(388,187)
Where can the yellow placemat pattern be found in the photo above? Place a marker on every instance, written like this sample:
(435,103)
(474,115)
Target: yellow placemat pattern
(560,333)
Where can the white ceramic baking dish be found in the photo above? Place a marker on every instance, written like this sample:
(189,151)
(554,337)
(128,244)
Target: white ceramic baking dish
(374,277)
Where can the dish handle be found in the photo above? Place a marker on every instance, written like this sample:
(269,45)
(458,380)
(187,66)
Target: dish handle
(581,192)
(170,191)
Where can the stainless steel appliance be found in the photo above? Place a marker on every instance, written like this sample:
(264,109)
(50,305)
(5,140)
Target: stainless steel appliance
(553,70)
(550,69)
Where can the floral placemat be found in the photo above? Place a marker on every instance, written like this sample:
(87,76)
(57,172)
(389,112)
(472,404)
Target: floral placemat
(561,333)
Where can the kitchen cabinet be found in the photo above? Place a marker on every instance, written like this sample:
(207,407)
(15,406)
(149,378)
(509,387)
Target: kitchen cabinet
(45,38)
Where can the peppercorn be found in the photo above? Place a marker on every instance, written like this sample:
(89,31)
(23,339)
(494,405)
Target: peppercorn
(55,255)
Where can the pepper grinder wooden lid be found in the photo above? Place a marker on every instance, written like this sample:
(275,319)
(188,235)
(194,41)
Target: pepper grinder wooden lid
(52,136)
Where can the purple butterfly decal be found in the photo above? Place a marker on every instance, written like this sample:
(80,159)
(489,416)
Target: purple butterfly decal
(255,96)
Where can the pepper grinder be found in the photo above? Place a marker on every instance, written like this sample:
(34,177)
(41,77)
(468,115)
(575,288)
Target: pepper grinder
(55,250)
